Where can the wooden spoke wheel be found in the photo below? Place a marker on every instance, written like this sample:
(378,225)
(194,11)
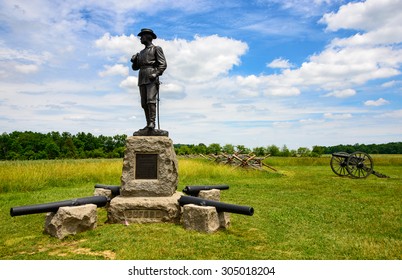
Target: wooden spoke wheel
(338,165)
(359,165)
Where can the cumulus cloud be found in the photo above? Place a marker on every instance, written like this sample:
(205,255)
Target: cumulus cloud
(280,63)
(129,83)
(282,91)
(355,60)
(377,19)
(203,58)
(367,15)
(378,102)
(198,60)
(117,69)
(118,45)
(342,93)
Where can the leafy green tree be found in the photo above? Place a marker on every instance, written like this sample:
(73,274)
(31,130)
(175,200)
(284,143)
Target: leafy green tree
(184,150)
(241,149)
(200,149)
(214,148)
(273,150)
(303,152)
(259,151)
(317,151)
(52,150)
(285,151)
(228,149)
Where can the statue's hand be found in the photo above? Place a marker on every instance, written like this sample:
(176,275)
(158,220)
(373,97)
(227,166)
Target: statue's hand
(133,58)
(153,76)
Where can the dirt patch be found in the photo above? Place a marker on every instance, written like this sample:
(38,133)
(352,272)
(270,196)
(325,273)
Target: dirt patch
(67,249)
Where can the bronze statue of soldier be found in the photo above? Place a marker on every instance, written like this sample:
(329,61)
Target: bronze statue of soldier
(152,63)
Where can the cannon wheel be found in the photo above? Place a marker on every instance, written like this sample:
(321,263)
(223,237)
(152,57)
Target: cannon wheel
(338,165)
(359,165)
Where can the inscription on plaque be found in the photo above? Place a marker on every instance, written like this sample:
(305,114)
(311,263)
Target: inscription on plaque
(146,166)
(144,214)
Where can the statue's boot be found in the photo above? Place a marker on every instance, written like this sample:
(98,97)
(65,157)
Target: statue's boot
(152,115)
(146,111)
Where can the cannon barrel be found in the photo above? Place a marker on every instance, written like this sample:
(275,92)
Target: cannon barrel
(194,190)
(99,201)
(113,188)
(220,206)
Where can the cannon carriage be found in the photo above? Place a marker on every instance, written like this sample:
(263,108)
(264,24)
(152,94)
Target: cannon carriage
(356,165)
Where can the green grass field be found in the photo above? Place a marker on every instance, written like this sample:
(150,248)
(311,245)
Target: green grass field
(304,211)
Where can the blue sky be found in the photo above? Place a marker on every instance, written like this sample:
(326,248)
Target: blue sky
(255,73)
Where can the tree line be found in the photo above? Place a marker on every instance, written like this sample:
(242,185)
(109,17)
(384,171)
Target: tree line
(30,145)
(273,150)
(54,145)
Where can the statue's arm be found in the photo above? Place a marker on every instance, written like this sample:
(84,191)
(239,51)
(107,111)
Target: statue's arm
(160,61)
(134,60)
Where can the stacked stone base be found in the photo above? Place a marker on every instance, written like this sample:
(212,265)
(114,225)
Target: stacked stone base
(124,209)
(147,195)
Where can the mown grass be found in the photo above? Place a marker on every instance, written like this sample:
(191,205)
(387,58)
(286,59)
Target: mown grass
(304,211)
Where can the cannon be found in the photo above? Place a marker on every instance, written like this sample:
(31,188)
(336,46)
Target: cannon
(220,206)
(356,165)
(99,201)
(113,188)
(194,190)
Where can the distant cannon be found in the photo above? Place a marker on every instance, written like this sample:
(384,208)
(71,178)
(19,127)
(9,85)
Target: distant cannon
(99,201)
(194,190)
(220,206)
(356,165)
(113,188)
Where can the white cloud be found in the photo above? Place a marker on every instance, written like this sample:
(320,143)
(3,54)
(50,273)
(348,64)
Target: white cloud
(378,19)
(389,84)
(282,91)
(342,93)
(117,69)
(280,63)
(129,83)
(203,58)
(378,102)
(337,116)
(367,15)
(118,45)
(9,54)
(173,90)
(353,61)
(396,114)
(27,68)
(199,60)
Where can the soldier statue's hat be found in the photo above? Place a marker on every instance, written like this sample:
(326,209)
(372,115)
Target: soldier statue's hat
(147,31)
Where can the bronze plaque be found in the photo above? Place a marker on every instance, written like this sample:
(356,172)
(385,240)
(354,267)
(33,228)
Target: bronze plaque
(146,166)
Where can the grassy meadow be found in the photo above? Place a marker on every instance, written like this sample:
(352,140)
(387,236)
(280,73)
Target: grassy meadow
(303,211)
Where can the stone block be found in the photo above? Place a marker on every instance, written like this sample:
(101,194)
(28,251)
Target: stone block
(200,218)
(224,219)
(103,192)
(71,220)
(150,167)
(210,194)
(123,209)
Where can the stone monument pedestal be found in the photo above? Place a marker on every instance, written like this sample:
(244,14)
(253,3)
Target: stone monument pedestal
(125,209)
(148,183)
